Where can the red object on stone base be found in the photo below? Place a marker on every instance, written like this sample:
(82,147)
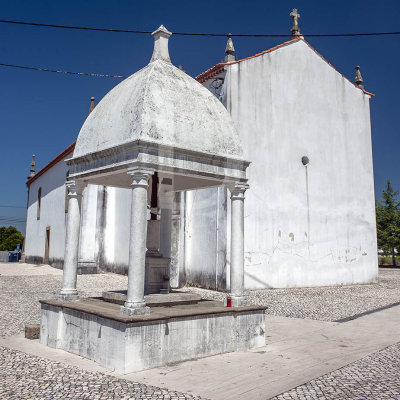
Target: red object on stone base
(228,302)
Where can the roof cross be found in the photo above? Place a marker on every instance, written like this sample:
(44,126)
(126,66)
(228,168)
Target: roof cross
(295,28)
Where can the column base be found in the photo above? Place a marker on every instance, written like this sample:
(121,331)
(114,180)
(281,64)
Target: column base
(132,309)
(68,296)
(239,301)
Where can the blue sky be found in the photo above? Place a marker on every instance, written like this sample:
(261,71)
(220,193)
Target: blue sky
(42,112)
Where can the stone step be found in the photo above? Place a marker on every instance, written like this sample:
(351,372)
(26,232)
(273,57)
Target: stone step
(154,300)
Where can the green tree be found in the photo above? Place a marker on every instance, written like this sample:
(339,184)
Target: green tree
(10,237)
(388,221)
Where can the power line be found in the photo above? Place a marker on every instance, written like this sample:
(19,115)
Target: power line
(62,72)
(2,205)
(193,33)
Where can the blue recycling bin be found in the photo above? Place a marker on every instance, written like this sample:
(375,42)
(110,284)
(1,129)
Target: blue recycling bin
(14,256)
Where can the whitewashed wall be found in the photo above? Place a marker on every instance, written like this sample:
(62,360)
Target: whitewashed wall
(52,215)
(304,226)
(314,225)
(206,237)
(117,230)
(88,240)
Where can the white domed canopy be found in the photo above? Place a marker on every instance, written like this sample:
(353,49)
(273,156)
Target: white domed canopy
(159,125)
(159,119)
(163,105)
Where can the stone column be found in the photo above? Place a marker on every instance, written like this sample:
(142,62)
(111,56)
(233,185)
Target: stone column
(176,269)
(68,291)
(237,244)
(135,304)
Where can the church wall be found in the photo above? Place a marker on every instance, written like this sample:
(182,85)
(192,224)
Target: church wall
(52,215)
(88,246)
(117,230)
(205,238)
(313,225)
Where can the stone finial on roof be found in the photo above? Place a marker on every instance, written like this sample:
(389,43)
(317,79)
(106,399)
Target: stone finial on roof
(92,105)
(358,80)
(160,52)
(33,167)
(229,49)
(295,28)
(181,68)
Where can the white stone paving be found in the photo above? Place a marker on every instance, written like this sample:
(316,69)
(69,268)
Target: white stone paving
(324,303)
(23,376)
(373,377)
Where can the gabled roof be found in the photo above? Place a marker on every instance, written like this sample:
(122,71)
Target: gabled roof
(218,68)
(55,160)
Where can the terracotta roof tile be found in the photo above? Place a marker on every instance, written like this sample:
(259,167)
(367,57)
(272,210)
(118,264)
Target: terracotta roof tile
(218,68)
(68,150)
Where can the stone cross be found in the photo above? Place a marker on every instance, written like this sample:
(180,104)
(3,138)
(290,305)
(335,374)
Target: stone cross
(295,28)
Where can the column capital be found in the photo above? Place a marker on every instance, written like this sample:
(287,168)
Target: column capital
(238,189)
(75,188)
(140,175)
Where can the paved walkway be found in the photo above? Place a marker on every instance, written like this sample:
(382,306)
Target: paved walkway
(297,352)
(302,359)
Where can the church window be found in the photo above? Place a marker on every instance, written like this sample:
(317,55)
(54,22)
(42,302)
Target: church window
(39,202)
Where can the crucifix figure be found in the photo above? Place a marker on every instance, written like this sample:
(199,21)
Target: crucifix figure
(295,28)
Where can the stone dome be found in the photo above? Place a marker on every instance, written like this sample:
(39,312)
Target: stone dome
(160,104)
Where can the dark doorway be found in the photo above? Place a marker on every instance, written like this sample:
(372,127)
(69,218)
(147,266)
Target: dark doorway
(47,246)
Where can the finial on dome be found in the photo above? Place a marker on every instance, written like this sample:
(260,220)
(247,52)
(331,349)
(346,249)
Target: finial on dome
(92,105)
(358,80)
(181,68)
(33,167)
(160,52)
(295,28)
(229,49)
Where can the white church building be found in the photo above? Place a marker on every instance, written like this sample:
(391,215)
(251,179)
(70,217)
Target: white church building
(309,216)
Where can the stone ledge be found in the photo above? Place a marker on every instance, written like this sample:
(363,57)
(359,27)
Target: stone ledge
(97,307)
(96,330)
(173,298)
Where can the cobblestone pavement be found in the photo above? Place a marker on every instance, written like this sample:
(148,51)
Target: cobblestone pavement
(24,376)
(375,377)
(19,297)
(324,303)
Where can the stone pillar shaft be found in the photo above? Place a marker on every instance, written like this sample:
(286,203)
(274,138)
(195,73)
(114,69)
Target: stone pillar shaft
(135,304)
(237,245)
(69,291)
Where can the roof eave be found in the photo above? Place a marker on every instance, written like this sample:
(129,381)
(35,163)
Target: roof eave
(55,160)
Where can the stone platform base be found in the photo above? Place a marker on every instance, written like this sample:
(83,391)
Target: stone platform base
(96,330)
(174,298)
